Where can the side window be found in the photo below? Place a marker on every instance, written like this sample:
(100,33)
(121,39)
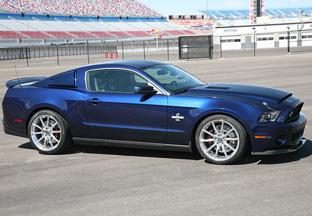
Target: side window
(114,80)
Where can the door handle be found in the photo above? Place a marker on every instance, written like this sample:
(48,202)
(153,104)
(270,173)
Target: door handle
(94,101)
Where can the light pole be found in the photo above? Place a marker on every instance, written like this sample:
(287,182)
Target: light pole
(288,49)
(300,29)
(301,16)
(254,41)
(207,11)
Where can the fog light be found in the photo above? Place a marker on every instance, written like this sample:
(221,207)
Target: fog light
(280,140)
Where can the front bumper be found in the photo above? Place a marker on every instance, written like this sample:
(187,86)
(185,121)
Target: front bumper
(283,151)
(279,138)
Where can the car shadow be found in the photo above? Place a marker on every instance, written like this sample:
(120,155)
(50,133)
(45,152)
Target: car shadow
(75,149)
(26,145)
(304,152)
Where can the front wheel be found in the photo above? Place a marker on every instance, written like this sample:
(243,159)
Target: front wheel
(221,139)
(48,132)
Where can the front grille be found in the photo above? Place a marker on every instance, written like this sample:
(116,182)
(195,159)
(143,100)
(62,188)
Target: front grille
(293,115)
(296,136)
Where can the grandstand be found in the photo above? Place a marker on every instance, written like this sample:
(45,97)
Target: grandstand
(79,7)
(16,26)
(77,20)
(47,21)
(241,17)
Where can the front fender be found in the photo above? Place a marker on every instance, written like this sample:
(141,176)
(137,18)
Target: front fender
(198,109)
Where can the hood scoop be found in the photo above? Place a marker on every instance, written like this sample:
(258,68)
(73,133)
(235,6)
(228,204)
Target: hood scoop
(217,87)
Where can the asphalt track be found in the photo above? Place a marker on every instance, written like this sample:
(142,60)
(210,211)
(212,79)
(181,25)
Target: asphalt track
(117,181)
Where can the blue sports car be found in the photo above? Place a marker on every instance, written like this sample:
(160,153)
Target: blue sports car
(154,105)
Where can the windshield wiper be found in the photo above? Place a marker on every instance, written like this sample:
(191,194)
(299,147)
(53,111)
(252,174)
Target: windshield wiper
(190,87)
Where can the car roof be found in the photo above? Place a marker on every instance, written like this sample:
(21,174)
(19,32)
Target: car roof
(131,63)
(138,64)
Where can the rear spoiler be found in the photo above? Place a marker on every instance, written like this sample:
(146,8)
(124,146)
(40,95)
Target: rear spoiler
(14,82)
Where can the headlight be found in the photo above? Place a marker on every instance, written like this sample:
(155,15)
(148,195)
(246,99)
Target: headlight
(269,116)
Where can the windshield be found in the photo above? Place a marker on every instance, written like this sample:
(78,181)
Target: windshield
(173,78)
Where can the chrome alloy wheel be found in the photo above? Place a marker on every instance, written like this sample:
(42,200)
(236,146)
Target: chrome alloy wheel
(45,132)
(219,140)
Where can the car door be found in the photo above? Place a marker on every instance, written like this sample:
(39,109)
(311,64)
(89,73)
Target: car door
(114,112)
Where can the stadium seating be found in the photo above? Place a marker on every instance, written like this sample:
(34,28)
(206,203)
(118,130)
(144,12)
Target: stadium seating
(30,26)
(35,34)
(59,34)
(103,34)
(229,14)
(139,33)
(79,7)
(241,17)
(11,34)
(82,19)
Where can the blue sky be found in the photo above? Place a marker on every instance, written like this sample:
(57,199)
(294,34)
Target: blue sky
(175,7)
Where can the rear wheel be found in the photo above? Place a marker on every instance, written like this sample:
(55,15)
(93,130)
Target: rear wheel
(221,139)
(48,132)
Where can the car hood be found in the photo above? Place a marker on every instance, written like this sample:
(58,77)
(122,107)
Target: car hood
(264,94)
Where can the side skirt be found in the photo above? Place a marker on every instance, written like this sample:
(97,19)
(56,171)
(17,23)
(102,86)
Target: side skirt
(132,144)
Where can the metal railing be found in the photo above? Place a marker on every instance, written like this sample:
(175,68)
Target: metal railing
(14,53)
(162,49)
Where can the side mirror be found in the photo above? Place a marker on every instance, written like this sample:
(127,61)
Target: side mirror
(147,90)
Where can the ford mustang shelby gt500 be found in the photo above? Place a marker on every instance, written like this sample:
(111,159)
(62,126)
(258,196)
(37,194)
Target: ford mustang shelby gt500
(153,105)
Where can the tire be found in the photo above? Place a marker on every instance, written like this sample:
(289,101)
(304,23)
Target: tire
(221,139)
(48,132)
